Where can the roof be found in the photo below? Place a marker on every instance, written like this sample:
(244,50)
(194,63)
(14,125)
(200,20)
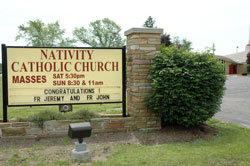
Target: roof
(227,59)
(238,58)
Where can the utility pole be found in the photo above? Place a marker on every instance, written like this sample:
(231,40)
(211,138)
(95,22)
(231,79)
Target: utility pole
(249,36)
(213,48)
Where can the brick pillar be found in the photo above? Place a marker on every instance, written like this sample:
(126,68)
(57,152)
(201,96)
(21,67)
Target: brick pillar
(142,44)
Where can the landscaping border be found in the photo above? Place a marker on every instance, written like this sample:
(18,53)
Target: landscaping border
(57,128)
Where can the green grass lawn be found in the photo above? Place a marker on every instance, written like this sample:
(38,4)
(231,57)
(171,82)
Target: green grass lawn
(25,112)
(230,147)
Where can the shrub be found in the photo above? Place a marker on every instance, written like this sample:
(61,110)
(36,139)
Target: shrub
(81,114)
(244,73)
(248,68)
(187,87)
(43,116)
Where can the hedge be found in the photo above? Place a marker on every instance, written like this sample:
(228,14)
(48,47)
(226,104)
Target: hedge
(187,87)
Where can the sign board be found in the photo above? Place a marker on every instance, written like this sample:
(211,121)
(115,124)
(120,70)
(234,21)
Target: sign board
(47,76)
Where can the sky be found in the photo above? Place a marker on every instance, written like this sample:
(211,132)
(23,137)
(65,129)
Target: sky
(225,23)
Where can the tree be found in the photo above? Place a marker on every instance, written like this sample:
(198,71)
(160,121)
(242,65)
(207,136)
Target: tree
(149,23)
(184,43)
(101,33)
(248,62)
(37,33)
(176,40)
(248,58)
(166,40)
(210,49)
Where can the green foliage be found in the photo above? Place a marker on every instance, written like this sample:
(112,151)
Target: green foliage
(184,43)
(248,58)
(101,33)
(244,73)
(230,147)
(81,114)
(113,111)
(248,68)
(36,33)
(176,41)
(66,141)
(187,87)
(43,116)
(149,23)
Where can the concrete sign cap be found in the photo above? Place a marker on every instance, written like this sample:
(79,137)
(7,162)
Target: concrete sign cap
(143,30)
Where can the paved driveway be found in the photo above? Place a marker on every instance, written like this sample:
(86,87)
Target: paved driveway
(236,102)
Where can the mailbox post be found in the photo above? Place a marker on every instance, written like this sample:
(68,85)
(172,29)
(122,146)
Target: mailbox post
(80,131)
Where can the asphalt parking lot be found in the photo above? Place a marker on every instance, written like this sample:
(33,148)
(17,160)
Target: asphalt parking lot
(236,102)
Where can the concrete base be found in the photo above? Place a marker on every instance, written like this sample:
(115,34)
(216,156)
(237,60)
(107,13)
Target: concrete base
(81,152)
(81,155)
(80,146)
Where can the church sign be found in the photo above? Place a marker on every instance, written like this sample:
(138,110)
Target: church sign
(55,76)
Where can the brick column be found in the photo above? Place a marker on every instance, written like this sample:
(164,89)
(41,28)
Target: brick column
(142,44)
